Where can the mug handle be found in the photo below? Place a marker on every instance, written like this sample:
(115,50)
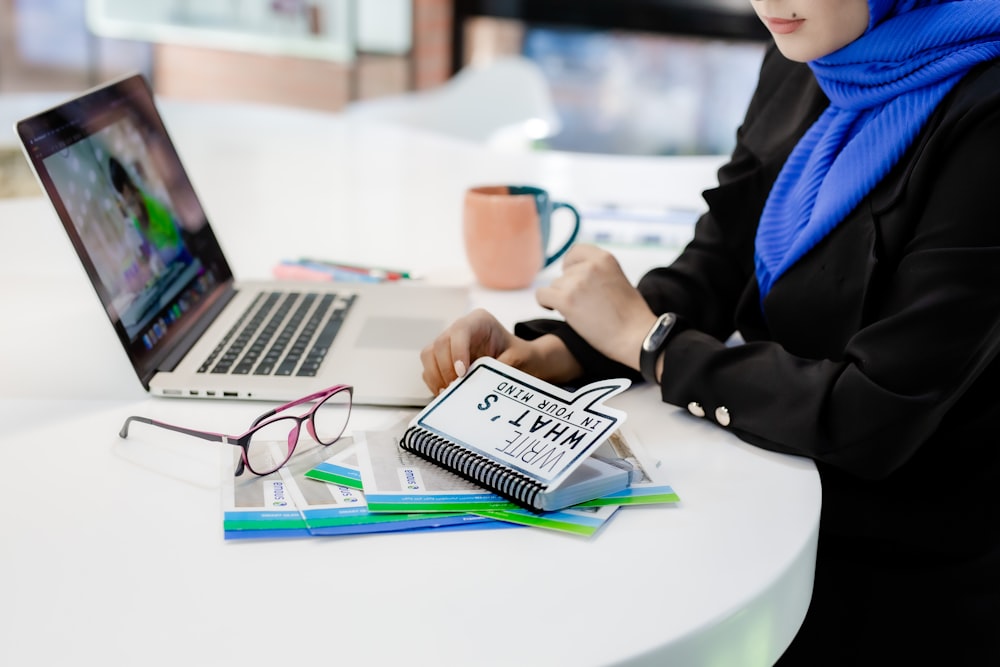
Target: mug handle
(572,237)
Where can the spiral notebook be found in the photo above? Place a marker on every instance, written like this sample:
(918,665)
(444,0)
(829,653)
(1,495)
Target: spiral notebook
(521,438)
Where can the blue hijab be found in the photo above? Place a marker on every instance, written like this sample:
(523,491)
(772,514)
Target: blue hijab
(882,88)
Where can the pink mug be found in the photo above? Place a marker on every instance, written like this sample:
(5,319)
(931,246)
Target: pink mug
(506,230)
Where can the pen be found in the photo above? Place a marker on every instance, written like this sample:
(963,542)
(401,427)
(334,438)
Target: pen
(386,274)
(298,270)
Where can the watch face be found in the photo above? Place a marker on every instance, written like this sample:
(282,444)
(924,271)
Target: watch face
(659,332)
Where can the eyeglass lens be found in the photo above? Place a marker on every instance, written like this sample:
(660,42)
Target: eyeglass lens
(272,445)
(330,418)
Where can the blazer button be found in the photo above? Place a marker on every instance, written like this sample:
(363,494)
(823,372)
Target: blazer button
(695,408)
(722,415)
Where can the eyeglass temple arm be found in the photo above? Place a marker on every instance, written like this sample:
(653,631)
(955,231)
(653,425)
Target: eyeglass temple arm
(305,399)
(204,435)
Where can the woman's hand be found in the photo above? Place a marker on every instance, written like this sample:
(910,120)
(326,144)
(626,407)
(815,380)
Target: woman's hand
(598,301)
(479,334)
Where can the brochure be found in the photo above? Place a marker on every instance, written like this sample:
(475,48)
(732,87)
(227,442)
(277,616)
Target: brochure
(578,520)
(348,511)
(287,503)
(395,480)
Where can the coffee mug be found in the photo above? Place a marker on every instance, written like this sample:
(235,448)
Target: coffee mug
(506,230)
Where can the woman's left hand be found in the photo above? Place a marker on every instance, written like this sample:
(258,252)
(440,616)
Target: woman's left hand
(598,301)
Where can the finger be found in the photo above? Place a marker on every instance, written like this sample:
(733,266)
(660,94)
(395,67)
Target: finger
(546,297)
(573,256)
(558,294)
(436,358)
(452,352)
(484,336)
(443,361)
(460,354)
(456,352)
(580,252)
(432,372)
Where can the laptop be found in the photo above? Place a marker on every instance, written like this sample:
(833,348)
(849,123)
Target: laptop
(189,328)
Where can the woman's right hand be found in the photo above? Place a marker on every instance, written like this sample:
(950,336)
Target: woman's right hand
(479,334)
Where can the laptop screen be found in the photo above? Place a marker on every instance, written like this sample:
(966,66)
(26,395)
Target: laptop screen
(116,182)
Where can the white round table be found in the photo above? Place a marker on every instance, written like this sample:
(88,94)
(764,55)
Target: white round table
(114,552)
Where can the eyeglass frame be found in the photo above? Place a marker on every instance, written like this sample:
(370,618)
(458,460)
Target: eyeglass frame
(243,440)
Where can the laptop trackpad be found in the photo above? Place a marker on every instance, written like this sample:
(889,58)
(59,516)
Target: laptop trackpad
(399,333)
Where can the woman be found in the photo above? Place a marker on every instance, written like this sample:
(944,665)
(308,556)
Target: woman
(854,243)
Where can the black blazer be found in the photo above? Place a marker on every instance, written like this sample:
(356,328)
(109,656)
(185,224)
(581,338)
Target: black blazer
(876,354)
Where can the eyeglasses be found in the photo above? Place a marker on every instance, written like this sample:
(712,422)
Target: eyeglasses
(270,441)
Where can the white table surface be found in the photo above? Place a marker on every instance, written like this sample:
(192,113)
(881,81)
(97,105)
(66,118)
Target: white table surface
(114,553)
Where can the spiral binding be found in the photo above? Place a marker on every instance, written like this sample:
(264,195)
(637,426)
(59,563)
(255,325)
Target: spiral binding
(476,468)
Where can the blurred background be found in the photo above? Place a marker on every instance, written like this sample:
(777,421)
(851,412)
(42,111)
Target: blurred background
(638,77)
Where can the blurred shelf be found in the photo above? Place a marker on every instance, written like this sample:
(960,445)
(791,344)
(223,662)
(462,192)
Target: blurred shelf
(322,30)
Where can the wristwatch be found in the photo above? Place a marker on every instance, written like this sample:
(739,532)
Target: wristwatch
(653,344)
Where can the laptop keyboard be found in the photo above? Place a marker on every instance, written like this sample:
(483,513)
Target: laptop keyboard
(281,333)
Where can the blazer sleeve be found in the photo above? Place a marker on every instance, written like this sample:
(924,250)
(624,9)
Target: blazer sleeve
(920,364)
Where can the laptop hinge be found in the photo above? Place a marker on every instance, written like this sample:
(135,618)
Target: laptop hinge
(201,324)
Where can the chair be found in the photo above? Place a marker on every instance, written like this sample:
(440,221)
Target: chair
(504,103)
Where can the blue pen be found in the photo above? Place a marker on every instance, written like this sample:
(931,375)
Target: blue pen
(387,274)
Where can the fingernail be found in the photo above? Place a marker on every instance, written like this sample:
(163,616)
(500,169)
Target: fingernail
(459,369)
